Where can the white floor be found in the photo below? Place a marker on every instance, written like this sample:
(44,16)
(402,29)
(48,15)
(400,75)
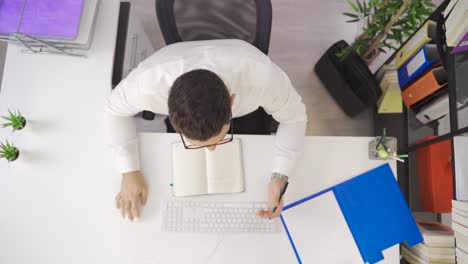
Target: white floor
(301,32)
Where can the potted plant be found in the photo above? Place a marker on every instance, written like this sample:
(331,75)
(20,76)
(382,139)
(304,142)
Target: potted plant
(15,120)
(343,69)
(8,151)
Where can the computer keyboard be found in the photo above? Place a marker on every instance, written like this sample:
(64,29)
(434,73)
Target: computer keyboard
(216,217)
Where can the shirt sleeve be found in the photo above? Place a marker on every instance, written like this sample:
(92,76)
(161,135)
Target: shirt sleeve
(281,100)
(125,101)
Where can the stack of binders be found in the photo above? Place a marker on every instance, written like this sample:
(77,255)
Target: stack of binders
(438,245)
(65,26)
(422,80)
(460,228)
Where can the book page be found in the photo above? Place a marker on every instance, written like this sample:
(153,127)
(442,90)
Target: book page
(188,171)
(320,232)
(225,172)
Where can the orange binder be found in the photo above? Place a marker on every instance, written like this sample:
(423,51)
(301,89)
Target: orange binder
(435,176)
(429,83)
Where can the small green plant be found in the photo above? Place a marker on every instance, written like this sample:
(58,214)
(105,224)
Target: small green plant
(15,120)
(8,151)
(387,23)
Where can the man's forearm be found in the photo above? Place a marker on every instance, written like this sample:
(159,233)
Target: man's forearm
(288,147)
(123,140)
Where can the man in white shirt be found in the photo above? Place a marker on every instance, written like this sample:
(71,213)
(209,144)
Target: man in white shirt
(202,85)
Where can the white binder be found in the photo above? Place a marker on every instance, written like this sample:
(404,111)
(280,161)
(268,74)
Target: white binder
(435,110)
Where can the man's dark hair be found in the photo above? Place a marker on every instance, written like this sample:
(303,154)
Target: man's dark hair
(199,104)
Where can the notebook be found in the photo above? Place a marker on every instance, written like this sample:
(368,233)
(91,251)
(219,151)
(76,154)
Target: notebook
(436,234)
(201,171)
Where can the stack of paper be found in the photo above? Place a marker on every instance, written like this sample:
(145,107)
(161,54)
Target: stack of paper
(390,101)
(43,24)
(438,245)
(460,228)
(460,147)
(456,22)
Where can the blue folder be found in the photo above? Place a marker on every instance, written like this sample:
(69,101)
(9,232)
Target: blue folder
(375,211)
(417,65)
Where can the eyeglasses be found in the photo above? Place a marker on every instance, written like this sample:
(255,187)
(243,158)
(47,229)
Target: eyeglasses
(221,142)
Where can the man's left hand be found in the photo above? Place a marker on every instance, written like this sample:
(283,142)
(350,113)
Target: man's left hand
(274,191)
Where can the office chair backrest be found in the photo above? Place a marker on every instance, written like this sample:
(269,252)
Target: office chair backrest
(188,20)
(202,19)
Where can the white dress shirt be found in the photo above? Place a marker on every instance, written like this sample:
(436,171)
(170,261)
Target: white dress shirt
(247,72)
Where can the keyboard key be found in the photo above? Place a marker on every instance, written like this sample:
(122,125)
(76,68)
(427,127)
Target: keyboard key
(238,205)
(215,217)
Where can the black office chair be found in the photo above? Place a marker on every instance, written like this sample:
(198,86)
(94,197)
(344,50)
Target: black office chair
(189,20)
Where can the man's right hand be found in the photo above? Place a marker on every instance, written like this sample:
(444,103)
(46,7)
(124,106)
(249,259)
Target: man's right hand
(132,196)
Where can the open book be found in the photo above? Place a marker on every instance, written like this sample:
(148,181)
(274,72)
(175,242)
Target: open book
(201,171)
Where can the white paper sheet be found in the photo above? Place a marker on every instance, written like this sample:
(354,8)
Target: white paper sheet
(461,167)
(324,235)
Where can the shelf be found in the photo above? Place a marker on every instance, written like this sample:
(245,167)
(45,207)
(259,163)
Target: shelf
(409,130)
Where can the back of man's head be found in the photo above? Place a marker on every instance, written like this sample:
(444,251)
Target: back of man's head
(199,105)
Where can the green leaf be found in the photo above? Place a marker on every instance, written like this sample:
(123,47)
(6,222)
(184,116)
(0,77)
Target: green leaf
(351,15)
(8,150)
(359,49)
(16,120)
(361,8)
(353,20)
(413,19)
(380,4)
(429,3)
(344,53)
(353,5)
(8,118)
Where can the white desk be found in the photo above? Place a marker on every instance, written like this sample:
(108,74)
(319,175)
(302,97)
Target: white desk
(53,197)
(57,199)
(64,225)
(320,168)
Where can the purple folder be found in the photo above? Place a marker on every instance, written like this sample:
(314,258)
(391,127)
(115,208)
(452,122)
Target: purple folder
(42,18)
(462,45)
(10,12)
